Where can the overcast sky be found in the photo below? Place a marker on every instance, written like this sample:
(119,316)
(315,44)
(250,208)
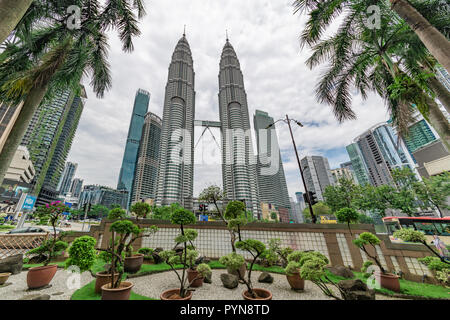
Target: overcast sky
(265,36)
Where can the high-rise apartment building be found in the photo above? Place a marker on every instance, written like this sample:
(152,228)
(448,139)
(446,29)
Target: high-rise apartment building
(419,135)
(76,187)
(140,108)
(381,151)
(300,200)
(146,175)
(238,159)
(176,169)
(8,116)
(317,173)
(49,139)
(342,173)
(271,178)
(66,178)
(21,167)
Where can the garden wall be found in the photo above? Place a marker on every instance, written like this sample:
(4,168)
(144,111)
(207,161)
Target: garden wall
(334,241)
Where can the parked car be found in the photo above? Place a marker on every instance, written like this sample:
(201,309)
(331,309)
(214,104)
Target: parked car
(28,230)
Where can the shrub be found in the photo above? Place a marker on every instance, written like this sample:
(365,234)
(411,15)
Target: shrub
(347,215)
(292,267)
(364,268)
(182,217)
(204,270)
(117,213)
(82,253)
(146,251)
(141,209)
(410,235)
(367,238)
(295,256)
(232,261)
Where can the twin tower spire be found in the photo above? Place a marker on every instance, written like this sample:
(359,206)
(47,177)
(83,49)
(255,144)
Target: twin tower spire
(176,169)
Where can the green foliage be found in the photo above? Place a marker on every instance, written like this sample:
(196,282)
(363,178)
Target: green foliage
(255,247)
(347,215)
(211,194)
(232,261)
(312,266)
(365,219)
(97,211)
(191,256)
(434,263)
(366,238)
(146,251)
(49,249)
(292,268)
(433,192)
(364,268)
(125,227)
(235,224)
(117,213)
(410,235)
(235,209)
(182,217)
(204,270)
(340,196)
(141,209)
(320,208)
(295,256)
(82,253)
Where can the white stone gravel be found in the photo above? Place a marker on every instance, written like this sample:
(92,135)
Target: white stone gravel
(153,285)
(59,284)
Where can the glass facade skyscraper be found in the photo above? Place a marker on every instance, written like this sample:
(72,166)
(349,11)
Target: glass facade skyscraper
(420,134)
(66,178)
(128,168)
(272,185)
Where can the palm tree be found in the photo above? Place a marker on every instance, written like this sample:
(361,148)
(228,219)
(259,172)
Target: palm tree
(11,11)
(324,12)
(46,59)
(372,60)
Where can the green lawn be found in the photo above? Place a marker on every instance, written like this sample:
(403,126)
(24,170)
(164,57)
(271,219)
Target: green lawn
(6,227)
(88,293)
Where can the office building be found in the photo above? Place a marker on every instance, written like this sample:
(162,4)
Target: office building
(65,182)
(317,173)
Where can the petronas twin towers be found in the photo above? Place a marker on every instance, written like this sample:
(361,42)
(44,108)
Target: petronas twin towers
(176,169)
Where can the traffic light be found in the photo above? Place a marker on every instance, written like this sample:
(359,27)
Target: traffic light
(313,197)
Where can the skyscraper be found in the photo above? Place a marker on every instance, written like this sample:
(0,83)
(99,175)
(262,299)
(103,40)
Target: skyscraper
(66,178)
(342,173)
(145,179)
(358,164)
(271,178)
(49,191)
(175,176)
(76,187)
(8,116)
(317,173)
(381,153)
(128,168)
(238,160)
(420,134)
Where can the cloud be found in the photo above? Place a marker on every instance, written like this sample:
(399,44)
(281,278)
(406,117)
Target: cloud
(265,36)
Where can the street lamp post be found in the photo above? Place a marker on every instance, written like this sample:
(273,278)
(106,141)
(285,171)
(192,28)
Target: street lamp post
(288,121)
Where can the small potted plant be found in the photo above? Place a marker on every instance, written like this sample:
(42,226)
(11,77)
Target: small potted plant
(133,262)
(41,276)
(180,217)
(255,248)
(387,280)
(148,254)
(292,271)
(117,289)
(104,277)
(82,253)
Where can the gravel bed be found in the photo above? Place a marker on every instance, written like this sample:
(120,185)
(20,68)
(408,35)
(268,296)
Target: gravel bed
(59,289)
(153,285)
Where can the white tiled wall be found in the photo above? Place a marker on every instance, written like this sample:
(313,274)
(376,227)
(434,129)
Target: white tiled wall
(345,251)
(215,243)
(416,267)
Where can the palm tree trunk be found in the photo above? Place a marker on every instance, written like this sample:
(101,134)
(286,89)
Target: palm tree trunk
(14,139)
(441,92)
(436,42)
(438,121)
(11,11)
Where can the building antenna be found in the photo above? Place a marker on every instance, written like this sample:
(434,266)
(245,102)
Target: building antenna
(184,31)
(226,31)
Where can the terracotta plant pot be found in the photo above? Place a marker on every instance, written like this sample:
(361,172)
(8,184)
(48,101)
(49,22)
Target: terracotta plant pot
(174,294)
(192,274)
(4,277)
(388,281)
(262,294)
(38,277)
(295,281)
(102,278)
(241,271)
(121,293)
(133,264)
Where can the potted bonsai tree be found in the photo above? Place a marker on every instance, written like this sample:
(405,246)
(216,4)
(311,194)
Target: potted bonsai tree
(292,271)
(181,217)
(41,276)
(312,267)
(255,248)
(133,262)
(117,289)
(387,280)
(148,254)
(82,253)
